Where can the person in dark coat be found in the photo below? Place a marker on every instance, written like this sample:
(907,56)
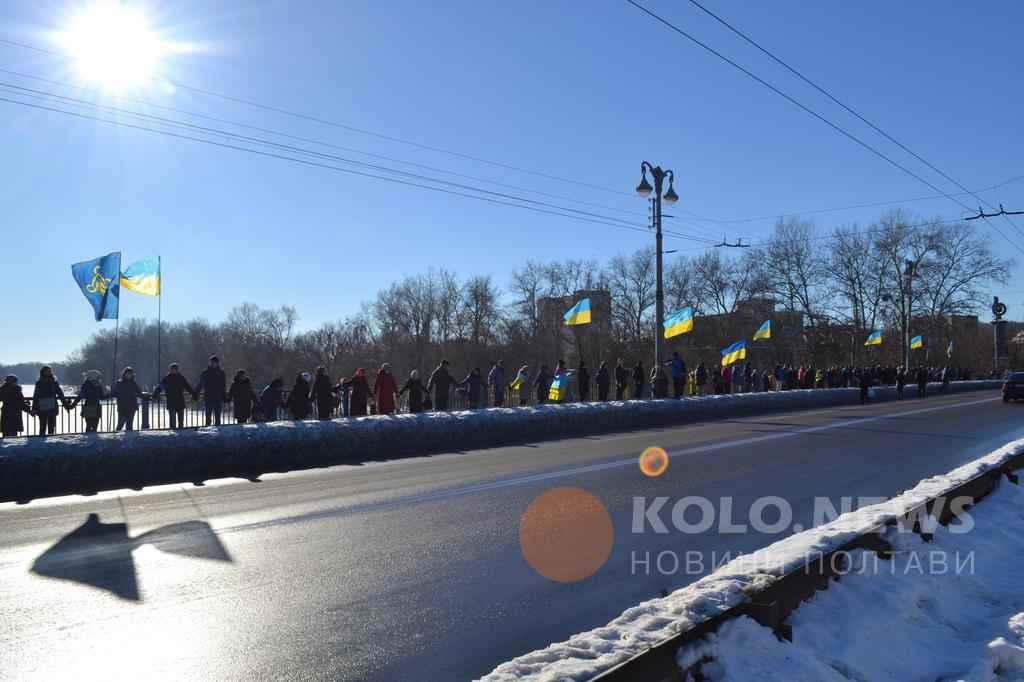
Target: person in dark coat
(638,381)
(322,394)
(659,382)
(47,398)
(474,385)
(359,393)
(13,402)
(175,385)
(244,398)
(604,381)
(678,368)
(865,384)
(441,382)
(621,380)
(127,393)
(89,396)
(901,382)
(583,380)
(271,400)
(299,405)
(543,384)
(922,382)
(416,391)
(385,390)
(213,384)
(496,382)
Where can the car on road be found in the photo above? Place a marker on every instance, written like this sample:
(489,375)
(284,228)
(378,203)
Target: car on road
(1013,387)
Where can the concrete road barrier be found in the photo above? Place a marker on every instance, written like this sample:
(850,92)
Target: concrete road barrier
(58,465)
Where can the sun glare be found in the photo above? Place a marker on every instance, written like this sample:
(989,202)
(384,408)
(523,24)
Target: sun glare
(113,45)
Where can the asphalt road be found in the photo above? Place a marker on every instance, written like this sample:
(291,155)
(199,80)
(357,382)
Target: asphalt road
(411,569)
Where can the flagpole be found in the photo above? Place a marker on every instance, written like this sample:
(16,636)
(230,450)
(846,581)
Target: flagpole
(159,317)
(113,374)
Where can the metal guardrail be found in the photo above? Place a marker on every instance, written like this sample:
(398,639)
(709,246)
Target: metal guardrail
(772,605)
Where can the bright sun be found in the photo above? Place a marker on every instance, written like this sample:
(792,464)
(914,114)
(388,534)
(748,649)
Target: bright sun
(113,45)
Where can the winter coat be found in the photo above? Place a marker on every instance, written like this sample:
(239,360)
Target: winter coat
(496,379)
(14,403)
(298,403)
(127,393)
(323,395)
(583,381)
(603,377)
(270,400)
(359,396)
(543,385)
(47,389)
(244,398)
(175,386)
(384,389)
(473,383)
(416,391)
(213,384)
(441,382)
(90,394)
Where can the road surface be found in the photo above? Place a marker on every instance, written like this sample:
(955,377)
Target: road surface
(411,569)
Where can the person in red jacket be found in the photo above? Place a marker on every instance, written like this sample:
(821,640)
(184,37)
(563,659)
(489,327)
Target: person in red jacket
(384,390)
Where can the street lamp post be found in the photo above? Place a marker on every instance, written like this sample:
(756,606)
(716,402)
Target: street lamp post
(644,189)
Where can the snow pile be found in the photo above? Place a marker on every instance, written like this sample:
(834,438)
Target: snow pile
(587,654)
(916,617)
(32,467)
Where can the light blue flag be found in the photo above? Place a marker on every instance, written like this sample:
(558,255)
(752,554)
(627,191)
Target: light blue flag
(100,282)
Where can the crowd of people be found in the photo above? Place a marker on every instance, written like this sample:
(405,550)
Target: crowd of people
(318,394)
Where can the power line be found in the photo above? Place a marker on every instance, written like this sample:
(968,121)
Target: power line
(813,113)
(846,107)
(334,168)
(321,142)
(349,128)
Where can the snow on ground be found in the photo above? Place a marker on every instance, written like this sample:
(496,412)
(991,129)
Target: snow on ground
(587,654)
(917,617)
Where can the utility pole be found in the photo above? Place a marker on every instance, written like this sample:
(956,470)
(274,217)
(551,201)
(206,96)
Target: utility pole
(644,190)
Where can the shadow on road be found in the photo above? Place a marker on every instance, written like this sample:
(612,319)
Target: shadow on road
(100,554)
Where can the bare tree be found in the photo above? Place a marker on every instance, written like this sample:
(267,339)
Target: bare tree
(632,285)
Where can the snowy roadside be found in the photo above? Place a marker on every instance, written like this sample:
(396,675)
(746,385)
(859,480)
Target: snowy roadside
(588,654)
(951,609)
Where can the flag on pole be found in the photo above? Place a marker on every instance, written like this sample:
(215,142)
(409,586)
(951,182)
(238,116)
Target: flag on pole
(916,342)
(578,314)
(737,351)
(142,277)
(764,331)
(949,349)
(99,280)
(874,339)
(559,387)
(679,322)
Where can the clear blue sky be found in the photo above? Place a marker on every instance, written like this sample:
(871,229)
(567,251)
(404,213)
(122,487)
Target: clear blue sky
(584,90)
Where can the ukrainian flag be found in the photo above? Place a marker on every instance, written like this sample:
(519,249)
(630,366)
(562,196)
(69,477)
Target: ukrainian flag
(143,277)
(578,314)
(916,342)
(737,351)
(679,322)
(559,387)
(875,339)
(764,331)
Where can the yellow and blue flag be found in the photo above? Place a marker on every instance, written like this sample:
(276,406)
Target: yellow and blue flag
(737,351)
(916,342)
(99,279)
(578,314)
(764,331)
(559,387)
(679,322)
(143,277)
(874,339)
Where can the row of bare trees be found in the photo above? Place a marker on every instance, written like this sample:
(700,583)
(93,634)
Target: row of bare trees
(850,276)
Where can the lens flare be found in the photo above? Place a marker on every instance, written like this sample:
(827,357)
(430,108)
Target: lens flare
(654,462)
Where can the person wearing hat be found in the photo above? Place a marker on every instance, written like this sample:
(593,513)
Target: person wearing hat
(323,393)
(13,403)
(417,391)
(213,384)
(127,393)
(242,396)
(89,396)
(298,400)
(385,390)
(441,382)
(359,394)
(175,385)
(46,400)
